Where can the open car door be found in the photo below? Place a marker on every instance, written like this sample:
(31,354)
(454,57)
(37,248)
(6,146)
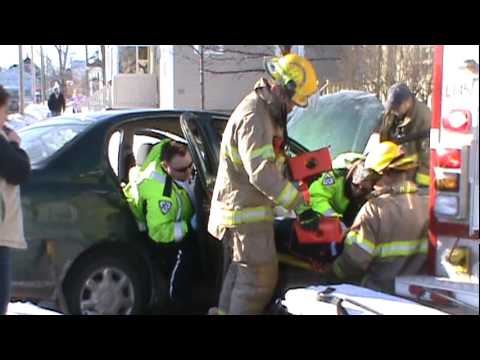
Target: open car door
(204,146)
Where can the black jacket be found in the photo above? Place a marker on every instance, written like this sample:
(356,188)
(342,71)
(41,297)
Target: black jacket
(56,104)
(14,162)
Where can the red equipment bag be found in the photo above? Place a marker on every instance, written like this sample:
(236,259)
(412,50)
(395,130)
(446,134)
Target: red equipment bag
(303,167)
(310,164)
(329,231)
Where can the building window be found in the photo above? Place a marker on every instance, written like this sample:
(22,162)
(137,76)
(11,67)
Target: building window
(127,60)
(209,50)
(133,59)
(143,62)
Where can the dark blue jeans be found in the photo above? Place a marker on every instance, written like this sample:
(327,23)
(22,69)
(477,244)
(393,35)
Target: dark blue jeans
(5,278)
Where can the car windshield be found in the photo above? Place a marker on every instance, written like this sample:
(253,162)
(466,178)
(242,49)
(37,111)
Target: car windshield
(43,141)
(344,121)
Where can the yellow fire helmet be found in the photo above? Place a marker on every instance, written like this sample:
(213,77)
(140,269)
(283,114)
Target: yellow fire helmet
(297,74)
(404,163)
(388,155)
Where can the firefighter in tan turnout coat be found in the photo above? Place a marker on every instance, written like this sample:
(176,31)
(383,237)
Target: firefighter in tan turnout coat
(389,236)
(251,181)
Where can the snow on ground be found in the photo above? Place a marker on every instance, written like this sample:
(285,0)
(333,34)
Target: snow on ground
(26,308)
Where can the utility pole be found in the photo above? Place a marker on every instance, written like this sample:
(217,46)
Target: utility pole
(87,92)
(104,78)
(44,87)
(202,76)
(34,82)
(20,87)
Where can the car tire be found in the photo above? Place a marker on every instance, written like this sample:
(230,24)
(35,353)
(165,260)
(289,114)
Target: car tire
(102,284)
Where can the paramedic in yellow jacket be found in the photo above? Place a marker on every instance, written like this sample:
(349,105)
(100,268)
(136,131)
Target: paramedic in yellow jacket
(163,208)
(251,182)
(339,192)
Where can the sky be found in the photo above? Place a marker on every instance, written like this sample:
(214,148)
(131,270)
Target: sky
(9,53)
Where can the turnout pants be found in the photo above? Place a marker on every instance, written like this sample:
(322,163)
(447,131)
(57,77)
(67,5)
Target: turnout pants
(252,274)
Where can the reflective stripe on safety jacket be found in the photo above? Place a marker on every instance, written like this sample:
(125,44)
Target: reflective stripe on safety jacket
(422,179)
(384,250)
(245,216)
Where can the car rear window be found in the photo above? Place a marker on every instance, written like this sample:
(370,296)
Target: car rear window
(42,142)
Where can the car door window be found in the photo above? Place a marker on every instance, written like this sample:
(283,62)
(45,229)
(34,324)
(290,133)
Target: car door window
(197,144)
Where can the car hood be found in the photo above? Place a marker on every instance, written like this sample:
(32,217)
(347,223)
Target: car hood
(344,121)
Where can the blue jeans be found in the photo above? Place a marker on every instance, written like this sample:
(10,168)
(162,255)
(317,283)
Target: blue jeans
(5,278)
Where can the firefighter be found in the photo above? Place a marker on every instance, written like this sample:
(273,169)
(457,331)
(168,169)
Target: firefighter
(251,182)
(389,236)
(407,122)
(165,209)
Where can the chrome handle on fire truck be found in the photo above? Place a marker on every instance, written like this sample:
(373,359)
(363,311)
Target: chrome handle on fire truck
(473,183)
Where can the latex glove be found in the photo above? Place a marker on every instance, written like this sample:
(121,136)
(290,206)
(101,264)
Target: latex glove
(307,217)
(194,222)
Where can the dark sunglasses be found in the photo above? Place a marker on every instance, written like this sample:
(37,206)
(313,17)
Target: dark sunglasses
(184,169)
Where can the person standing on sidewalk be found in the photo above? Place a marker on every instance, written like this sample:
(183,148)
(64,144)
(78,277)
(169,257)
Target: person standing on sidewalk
(77,99)
(14,170)
(56,102)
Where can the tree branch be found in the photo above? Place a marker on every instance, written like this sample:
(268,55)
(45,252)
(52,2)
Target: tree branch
(325,59)
(247,53)
(233,71)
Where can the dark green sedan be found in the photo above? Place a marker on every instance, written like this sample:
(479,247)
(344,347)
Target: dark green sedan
(85,253)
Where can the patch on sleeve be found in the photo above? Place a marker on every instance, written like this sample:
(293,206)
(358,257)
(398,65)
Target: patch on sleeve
(328,180)
(165,206)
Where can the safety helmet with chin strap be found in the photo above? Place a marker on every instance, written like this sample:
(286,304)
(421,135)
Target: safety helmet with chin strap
(386,156)
(296,74)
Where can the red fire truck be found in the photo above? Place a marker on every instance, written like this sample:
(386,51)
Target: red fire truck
(454,193)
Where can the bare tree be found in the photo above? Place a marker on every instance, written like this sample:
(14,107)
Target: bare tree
(237,58)
(237,61)
(62,61)
(374,68)
(390,68)
(417,70)
(228,60)
(209,54)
